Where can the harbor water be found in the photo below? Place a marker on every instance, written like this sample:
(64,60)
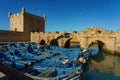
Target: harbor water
(103,66)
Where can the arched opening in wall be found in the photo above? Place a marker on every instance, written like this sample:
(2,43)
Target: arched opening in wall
(59,37)
(54,42)
(38,30)
(15,29)
(67,44)
(97,44)
(67,35)
(42,42)
(33,31)
(97,47)
(74,44)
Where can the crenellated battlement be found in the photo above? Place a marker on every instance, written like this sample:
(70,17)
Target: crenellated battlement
(10,15)
(15,15)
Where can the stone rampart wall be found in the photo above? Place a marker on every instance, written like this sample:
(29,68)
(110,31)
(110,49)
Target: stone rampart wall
(12,36)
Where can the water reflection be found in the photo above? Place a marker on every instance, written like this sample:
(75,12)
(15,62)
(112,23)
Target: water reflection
(103,66)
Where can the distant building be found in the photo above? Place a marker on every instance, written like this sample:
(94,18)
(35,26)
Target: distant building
(26,22)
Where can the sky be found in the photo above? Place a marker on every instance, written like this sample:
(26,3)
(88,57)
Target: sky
(66,15)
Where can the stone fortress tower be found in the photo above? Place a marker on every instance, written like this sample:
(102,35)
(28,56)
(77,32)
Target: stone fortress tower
(26,22)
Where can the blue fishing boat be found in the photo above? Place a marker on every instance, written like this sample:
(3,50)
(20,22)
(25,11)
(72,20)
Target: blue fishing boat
(45,62)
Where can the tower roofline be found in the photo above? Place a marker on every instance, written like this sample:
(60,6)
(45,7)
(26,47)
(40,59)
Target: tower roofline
(23,11)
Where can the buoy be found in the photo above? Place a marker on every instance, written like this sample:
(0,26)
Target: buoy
(38,46)
(84,61)
(84,50)
(81,59)
(65,61)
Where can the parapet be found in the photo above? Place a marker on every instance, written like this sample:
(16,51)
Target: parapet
(44,17)
(23,10)
(10,15)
